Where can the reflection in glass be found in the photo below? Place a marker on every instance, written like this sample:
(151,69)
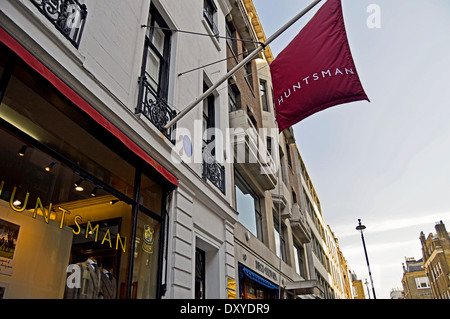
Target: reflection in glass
(146,253)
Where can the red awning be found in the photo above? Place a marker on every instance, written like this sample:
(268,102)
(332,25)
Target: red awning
(35,64)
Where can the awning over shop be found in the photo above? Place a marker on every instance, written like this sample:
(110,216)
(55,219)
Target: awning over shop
(77,100)
(244,271)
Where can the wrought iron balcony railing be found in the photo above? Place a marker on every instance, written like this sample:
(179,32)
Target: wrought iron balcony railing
(68,16)
(155,109)
(213,171)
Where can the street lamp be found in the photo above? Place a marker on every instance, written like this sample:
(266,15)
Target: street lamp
(361,228)
(367,287)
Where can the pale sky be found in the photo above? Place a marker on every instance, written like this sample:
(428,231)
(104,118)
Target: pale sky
(388,161)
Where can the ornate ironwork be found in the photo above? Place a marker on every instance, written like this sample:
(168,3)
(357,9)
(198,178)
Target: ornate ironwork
(213,171)
(155,109)
(68,16)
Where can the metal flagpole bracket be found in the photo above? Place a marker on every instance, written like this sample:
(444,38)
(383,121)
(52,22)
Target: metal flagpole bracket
(250,57)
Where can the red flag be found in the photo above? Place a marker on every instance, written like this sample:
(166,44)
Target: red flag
(316,70)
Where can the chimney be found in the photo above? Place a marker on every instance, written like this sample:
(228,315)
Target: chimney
(441,231)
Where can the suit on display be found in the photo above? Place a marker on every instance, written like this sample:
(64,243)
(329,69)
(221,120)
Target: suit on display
(90,282)
(108,285)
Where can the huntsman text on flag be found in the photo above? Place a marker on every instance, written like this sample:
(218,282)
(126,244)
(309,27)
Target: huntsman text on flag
(316,70)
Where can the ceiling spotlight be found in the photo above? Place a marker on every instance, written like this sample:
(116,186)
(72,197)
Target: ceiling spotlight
(49,167)
(114,201)
(22,151)
(94,192)
(78,186)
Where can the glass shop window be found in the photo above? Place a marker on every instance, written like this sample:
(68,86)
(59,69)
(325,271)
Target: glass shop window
(151,195)
(71,236)
(66,203)
(145,270)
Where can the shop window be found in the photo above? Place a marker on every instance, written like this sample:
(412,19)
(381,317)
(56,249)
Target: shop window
(151,195)
(253,290)
(81,215)
(146,253)
(65,222)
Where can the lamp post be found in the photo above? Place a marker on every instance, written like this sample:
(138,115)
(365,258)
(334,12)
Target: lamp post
(361,228)
(367,286)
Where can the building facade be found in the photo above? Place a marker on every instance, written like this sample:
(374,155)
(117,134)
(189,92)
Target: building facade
(396,293)
(87,87)
(357,287)
(277,252)
(105,202)
(415,281)
(436,261)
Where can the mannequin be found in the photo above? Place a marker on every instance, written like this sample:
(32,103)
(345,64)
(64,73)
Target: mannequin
(108,285)
(90,282)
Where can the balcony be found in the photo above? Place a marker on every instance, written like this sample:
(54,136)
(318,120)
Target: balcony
(252,160)
(300,228)
(213,171)
(305,287)
(68,16)
(155,109)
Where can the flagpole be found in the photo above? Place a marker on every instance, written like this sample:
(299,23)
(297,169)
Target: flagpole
(250,57)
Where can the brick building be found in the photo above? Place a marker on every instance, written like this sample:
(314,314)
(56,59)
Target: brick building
(436,259)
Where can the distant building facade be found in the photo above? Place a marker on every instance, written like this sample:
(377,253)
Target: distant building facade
(357,287)
(396,293)
(416,284)
(436,259)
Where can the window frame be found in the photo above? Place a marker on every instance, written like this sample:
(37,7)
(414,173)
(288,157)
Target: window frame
(210,15)
(263,95)
(149,48)
(240,181)
(280,250)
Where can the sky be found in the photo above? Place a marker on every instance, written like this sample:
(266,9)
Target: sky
(386,162)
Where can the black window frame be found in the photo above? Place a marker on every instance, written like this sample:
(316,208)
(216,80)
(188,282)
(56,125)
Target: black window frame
(153,103)
(163,73)
(263,95)
(209,14)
